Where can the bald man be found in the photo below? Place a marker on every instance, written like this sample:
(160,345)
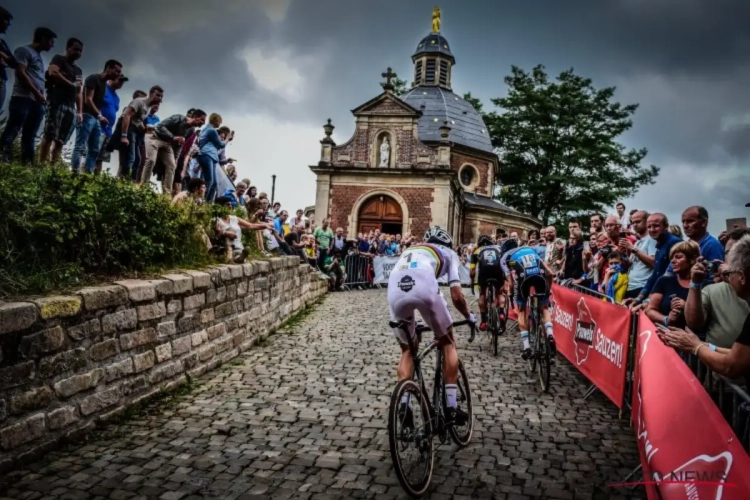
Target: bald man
(657,226)
(555,249)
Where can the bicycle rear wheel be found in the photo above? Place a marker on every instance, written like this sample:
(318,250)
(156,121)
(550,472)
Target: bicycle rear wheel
(462,435)
(494,323)
(411,446)
(544,358)
(533,338)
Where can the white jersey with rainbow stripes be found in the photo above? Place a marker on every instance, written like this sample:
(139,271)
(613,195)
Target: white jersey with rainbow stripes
(443,261)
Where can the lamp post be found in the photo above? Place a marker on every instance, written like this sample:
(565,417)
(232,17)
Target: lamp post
(273,188)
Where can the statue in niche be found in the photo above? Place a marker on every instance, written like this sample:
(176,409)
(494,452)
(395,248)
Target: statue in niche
(385,153)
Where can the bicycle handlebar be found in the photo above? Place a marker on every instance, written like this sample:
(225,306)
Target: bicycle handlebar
(421,328)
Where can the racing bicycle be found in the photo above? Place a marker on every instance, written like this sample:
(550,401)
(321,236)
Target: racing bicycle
(541,354)
(415,431)
(495,327)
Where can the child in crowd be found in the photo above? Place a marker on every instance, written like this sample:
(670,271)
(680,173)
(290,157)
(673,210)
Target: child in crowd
(615,283)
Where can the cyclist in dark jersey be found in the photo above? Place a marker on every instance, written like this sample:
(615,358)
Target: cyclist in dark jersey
(485,265)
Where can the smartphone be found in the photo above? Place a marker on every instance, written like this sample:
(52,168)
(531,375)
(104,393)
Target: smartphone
(623,235)
(586,245)
(713,267)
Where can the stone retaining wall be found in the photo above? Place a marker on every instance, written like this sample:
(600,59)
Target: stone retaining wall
(69,362)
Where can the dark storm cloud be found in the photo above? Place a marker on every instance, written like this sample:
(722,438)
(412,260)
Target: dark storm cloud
(686,62)
(736,139)
(192,55)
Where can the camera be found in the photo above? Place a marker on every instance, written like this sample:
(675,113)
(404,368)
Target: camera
(606,250)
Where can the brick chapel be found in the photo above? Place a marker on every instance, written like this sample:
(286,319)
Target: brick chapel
(422,159)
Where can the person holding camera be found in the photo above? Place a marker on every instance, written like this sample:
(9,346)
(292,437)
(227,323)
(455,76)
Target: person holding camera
(715,309)
(642,254)
(333,267)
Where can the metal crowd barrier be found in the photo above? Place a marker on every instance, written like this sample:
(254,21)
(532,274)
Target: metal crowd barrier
(356,267)
(585,290)
(568,283)
(728,395)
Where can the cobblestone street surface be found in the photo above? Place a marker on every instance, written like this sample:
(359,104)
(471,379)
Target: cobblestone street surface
(304,416)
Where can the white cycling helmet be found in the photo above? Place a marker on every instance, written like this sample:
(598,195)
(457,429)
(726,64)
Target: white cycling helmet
(438,236)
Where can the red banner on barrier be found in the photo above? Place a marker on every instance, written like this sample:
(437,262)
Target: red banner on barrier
(687,448)
(593,335)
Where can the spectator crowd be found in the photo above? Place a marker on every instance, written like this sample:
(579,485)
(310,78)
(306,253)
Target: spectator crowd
(693,285)
(59,101)
(637,259)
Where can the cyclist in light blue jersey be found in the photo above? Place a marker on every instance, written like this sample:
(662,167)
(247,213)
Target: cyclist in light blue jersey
(528,271)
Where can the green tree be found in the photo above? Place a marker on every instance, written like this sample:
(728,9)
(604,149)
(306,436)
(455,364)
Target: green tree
(558,149)
(474,101)
(399,86)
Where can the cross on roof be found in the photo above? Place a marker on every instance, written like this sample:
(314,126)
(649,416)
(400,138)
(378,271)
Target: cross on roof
(388,75)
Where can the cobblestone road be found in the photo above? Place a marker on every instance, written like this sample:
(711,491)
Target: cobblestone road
(304,416)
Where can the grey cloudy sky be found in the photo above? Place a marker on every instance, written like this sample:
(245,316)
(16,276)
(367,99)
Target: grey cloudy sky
(277,69)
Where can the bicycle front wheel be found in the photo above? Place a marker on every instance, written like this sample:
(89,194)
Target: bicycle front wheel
(462,435)
(410,438)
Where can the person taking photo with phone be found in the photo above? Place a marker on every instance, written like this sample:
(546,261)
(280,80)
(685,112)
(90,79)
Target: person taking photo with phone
(642,254)
(715,309)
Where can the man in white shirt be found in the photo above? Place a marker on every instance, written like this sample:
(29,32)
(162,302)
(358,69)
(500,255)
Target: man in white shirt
(297,219)
(642,255)
(624,217)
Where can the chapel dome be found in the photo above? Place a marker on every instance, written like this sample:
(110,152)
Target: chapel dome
(434,43)
(438,105)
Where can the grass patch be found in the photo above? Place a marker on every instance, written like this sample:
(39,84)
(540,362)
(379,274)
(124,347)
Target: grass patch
(60,231)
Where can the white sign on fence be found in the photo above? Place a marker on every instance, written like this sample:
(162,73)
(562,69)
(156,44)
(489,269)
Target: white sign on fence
(382,267)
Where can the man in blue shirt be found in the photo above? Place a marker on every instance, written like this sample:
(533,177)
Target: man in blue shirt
(658,229)
(695,223)
(109,110)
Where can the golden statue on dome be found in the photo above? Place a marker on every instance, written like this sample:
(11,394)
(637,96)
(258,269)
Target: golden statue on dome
(436,21)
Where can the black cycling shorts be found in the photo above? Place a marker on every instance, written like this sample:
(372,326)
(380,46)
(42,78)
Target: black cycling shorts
(522,289)
(486,273)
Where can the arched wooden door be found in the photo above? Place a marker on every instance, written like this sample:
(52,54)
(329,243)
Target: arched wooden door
(383,213)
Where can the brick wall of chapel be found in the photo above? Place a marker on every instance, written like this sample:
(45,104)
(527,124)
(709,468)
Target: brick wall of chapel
(418,200)
(458,160)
